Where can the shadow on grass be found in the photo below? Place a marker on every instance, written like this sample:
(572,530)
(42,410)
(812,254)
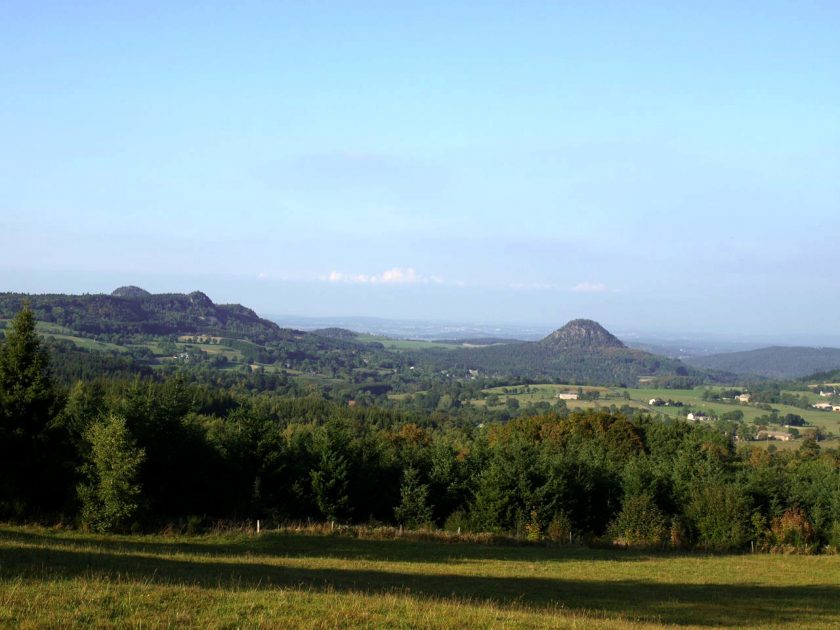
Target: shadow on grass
(709,604)
(292,545)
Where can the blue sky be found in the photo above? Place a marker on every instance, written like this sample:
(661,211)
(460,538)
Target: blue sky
(657,166)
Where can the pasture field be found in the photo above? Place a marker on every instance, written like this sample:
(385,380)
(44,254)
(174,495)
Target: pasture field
(404,344)
(639,399)
(59,578)
(48,329)
(547,392)
(692,397)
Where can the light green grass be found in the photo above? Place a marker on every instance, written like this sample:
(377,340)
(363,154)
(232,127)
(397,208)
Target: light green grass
(405,344)
(51,578)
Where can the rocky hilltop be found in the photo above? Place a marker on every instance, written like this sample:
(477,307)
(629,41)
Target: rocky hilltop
(582,334)
(130,291)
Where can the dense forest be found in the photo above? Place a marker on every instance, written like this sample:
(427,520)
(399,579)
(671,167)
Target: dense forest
(138,452)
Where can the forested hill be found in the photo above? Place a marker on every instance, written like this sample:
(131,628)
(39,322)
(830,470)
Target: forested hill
(131,310)
(774,362)
(581,352)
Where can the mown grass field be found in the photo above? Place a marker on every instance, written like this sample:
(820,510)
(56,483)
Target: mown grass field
(55,578)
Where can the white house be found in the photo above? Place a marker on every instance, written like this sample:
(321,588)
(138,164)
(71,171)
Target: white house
(567,396)
(697,417)
(744,398)
(823,406)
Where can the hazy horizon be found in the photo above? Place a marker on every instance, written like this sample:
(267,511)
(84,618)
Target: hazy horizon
(510,328)
(669,169)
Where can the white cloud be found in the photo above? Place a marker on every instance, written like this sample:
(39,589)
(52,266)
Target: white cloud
(262,275)
(395,275)
(399,276)
(590,287)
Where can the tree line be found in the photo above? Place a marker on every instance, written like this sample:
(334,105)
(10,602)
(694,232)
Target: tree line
(138,452)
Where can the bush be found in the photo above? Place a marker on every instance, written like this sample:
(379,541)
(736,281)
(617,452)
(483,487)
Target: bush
(458,521)
(640,523)
(110,496)
(794,531)
(533,528)
(560,528)
(834,536)
(719,514)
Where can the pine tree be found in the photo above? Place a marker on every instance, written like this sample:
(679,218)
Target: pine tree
(413,510)
(27,394)
(28,403)
(330,484)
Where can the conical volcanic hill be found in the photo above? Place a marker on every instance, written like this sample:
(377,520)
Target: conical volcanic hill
(582,334)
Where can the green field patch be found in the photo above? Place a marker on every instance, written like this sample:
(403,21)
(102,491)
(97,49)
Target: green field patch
(405,344)
(89,344)
(48,329)
(58,578)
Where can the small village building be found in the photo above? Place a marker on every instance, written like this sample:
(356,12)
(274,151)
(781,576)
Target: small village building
(823,406)
(697,417)
(773,435)
(566,396)
(744,398)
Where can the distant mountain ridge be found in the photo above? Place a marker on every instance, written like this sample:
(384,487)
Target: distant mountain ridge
(581,352)
(782,362)
(132,310)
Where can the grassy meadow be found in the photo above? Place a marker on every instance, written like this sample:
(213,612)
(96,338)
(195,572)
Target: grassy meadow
(640,397)
(59,578)
(405,344)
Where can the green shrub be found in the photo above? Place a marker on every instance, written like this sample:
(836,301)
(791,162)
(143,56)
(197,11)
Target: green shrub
(560,528)
(110,496)
(640,523)
(719,515)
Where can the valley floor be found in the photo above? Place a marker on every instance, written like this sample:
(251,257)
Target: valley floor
(58,578)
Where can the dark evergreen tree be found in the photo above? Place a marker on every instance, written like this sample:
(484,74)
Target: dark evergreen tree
(414,510)
(34,453)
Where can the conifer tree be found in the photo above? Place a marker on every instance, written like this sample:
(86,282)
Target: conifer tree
(413,510)
(28,404)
